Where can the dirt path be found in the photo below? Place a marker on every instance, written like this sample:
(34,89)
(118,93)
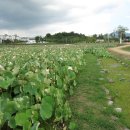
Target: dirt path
(118,50)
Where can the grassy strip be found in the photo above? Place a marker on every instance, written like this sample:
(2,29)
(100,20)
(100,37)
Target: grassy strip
(126,48)
(89,103)
(120,88)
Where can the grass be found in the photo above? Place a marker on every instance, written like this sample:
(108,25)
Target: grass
(126,48)
(89,103)
(119,72)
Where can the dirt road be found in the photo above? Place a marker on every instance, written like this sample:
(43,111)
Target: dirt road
(119,50)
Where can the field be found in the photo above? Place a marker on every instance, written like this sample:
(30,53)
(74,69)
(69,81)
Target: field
(127,49)
(63,87)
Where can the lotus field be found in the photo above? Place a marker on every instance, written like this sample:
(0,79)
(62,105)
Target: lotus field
(63,87)
(35,83)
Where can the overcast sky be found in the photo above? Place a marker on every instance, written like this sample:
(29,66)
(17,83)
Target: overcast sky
(38,17)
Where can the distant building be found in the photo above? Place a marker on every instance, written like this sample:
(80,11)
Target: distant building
(24,39)
(31,41)
(100,40)
(16,37)
(9,37)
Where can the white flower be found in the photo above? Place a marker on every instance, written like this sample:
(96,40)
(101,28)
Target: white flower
(118,109)
(61,58)
(20,99)
(14,57)
(1,67)
(110,103)
(47,90)
(70,68)
(10,63)
(36,70)
(47,71)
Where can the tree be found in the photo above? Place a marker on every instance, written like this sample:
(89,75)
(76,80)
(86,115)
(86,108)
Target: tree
(100,36)
(42,39)
(48,35)
(121,32)
(65,37)
(7,41)
(38,39)
(94,36)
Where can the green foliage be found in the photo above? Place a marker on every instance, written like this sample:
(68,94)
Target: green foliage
(8,41)
(65,37)
(100,51)
(39,39)
(35,126)
(72,126)
(90,39)
(47,107)
(35,84)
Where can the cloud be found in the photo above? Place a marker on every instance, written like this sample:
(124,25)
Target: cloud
(23,14)
(38,17)
(109,8)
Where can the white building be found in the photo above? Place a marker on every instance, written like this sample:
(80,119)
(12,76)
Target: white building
(10,37)
(16,37)
(24,39)
(30,41)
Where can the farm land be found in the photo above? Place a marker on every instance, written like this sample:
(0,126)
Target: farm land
(64,87)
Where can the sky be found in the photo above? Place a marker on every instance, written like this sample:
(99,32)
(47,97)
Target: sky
(38,17)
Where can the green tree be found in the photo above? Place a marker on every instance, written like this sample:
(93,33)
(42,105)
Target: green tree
(121,32)
(100,36)
(65,37)
(38,39)
(42,39)
(7,41)
(94,36)
(48,35)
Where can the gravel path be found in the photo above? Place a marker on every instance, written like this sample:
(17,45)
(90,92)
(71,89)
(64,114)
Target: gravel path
(119,50)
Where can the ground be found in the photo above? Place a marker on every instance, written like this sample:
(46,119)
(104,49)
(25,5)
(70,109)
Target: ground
(90,101)
(103,87)
(119,50)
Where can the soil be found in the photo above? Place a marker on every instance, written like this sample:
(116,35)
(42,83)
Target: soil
(119,50)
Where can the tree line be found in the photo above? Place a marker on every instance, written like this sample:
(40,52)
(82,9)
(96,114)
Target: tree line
(65,37)
(72,37)
(118,35)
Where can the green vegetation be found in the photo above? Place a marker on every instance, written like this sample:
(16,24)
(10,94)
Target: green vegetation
(89,102)
(119,72)
(39,39)
(35,83)
(98,51)
(126,48)
(73,37)
(65,37)
(63,87)
(10,42)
